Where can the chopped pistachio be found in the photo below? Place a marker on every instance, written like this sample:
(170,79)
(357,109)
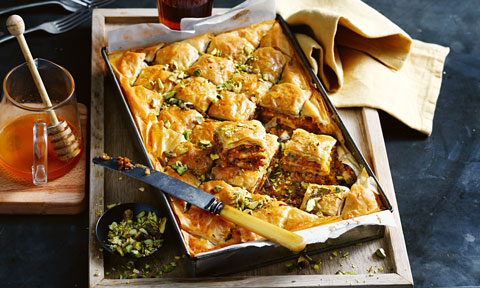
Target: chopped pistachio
(380,269)
(170,154)
(335,253)
(168,95)
(310,205)
(141,189)
(248,49)
(214,156)
(381,253)
(187,133)
(197,72)
(160,84)
(180,167)
(112,205)
(217,187)
(205,144)
(167,124)
(199,119)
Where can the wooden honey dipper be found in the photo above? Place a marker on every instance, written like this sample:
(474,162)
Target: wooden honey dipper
(61,136)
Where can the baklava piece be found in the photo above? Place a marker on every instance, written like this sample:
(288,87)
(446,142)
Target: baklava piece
(198,91)
(252,85)
(285,98)
(362,198)
(200,42)
(251,180)
(178,56)
(268,62)
(179,119)
(149,51)
(157,78)
(308,152)
(324,200)
(216,69)
(243,144)
(127,64)
(203,132)
(229,45)
(191,157)
(275,38)
(232,106)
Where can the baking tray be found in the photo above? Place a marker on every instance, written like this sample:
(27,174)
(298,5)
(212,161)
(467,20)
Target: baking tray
(247,257)
(109,132)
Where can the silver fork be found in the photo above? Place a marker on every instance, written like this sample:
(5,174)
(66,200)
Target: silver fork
(70,5)
(61,25)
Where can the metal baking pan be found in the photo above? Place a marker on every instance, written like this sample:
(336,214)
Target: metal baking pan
(241,257)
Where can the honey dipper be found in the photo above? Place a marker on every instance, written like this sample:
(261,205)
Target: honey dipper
(61,136)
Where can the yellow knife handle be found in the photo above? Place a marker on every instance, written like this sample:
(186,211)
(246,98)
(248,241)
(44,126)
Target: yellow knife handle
(273,233)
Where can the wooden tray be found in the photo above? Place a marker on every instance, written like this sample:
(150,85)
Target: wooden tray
(109,133)
(65,195)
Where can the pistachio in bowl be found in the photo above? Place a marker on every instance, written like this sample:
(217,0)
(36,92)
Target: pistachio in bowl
(131,229)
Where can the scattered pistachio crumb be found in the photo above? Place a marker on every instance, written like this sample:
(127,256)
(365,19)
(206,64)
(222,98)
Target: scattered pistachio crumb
(293,281)
(381,253)
(380,269)
(335,253)
(177,257)
(141,189)
(96,274)
(120,178)
(316,267)
(107,273)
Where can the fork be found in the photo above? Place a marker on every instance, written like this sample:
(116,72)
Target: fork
(70,5)
(61,25)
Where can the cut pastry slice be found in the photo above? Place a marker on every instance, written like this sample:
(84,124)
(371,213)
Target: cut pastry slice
(285,98)
(268,62)
(195,158)
(232,106)
(275,38)
(178,56)
(243,144)
(200,42)
(251,180)
(198,91)
(230,45)
(216,69)
(324,200)
(252,85)
(127,64)
(150,51)
(362,198)
(308,152)
(179,119)
(155,77)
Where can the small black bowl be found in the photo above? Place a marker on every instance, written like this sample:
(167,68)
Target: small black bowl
(115,214)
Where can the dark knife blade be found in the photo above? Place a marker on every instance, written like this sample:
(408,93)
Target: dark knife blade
(167,184)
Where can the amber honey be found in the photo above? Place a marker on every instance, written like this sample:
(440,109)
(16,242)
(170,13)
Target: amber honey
(16,149)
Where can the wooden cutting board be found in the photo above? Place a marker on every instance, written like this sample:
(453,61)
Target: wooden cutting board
(64,195)
(109,133)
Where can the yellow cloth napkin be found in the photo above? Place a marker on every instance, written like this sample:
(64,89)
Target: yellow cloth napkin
(365,60)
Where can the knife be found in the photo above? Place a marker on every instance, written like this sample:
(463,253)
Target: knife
(208,202)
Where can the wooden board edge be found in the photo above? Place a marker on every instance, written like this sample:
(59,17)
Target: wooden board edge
(338,281)
(382,170)
(96,177)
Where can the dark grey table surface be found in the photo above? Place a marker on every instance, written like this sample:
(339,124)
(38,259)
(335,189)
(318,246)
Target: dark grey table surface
(436,178)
